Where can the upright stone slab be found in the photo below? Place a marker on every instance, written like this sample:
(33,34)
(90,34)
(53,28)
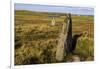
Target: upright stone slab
(65,39)
(53,21)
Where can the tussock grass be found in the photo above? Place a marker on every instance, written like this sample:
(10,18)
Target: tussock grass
(36,39)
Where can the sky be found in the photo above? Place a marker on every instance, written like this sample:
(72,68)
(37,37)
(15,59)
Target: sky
(58,9)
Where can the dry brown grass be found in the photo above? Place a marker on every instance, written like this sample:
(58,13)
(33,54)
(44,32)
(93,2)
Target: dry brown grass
(36,39)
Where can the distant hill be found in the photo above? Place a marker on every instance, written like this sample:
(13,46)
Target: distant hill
(28,12)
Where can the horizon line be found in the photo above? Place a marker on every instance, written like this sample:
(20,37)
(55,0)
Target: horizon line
(55,9)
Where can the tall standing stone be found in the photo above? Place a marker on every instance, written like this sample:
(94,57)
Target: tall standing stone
(65,40)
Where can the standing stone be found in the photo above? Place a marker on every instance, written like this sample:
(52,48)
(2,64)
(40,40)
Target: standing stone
(68,42)
(53,21)
(64,42)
